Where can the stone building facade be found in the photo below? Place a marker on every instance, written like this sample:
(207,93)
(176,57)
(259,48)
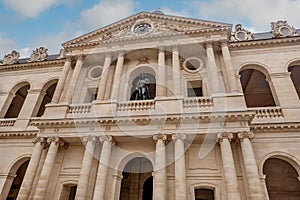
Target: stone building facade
(154,107)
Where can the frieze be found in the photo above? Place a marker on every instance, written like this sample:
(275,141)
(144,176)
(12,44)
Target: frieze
(11,58)
(40,54)
(282,29)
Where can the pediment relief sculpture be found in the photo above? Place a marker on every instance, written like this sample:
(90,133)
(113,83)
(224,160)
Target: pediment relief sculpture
(241,34)
(40,54)
(282,29)
(11,58)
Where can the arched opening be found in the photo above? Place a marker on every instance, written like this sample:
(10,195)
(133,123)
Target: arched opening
(204,194)
(281,180)
(17,182)
(256,89)
(295,74)
(68,192)
(137,182)
(47,99)
(143,87)
(17,102)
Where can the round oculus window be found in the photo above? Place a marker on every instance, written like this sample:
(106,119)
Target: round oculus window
(142,28)
(193,64)
(286,31)
(95,73)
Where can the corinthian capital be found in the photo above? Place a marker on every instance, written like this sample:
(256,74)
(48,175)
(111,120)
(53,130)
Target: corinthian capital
(56,140)
(40,140)
(224,135)
(178,136)
(107,138)
(89,138)
(157,137)
(245,134)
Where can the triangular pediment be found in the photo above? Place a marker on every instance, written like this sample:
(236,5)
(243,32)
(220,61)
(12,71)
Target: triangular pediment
(143,25)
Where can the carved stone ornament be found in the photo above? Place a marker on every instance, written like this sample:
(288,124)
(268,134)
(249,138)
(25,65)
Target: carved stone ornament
(11,58)
(241,34)
(282,29)
(40,54)
(62,54)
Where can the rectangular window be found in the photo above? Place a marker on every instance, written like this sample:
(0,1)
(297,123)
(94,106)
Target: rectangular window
(194,88)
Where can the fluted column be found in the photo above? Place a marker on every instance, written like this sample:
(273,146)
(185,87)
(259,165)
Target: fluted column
(229,69)
(254,184)
(99,192)
(161,74)
(73,81)
(117,76)
(180,171)
(160,181)
(104,77)
(32,168)
(176,72)
(42,185)
(228,166)
(86,166)
(61,81)
(212,69)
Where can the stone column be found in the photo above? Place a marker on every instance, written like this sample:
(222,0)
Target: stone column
(62,80)
(73,81)
(42,185)
(99,192)
(228,166)
(104,77)
(254,184)
(32,168)
(86,165)
(116,186)
(228,68)
(176,72)
(5,101)
(117,76)
(180,171)
(212,69)
(161,74)
(160,180)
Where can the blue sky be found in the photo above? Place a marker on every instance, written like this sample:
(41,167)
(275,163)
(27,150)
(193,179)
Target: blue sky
(28,24)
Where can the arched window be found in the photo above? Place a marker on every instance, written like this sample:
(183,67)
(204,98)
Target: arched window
(17,102)
(47,99)
(137,177)
(295,74)
(17,182)
(143,81)
(204,194)
(281,179)
(256,89)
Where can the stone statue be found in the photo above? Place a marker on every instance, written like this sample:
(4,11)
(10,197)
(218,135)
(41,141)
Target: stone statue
(142,88)
(11,58)
(40,54)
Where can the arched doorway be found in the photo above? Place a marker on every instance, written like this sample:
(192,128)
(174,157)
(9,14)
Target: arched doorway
(204,194)
(151,86)
(46,99)
(137,182)
(281,180)
(17,102)
(256,89)
(17,182)
(295,73)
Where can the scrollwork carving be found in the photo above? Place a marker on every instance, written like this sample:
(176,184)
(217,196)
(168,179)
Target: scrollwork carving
(11,58)
(40,54)
(282,29)
(241,34)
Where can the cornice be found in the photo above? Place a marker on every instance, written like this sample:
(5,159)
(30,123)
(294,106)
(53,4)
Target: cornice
(263,43)
(275,127)
(32,65)
(204,118)
(147,38)
(9,134)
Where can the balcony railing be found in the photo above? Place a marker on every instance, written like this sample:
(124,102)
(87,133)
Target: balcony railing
(136,105)
(79,108)
(267,112)
(199,102)
(7,122)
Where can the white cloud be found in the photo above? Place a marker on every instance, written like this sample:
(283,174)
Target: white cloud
(7,45)
(105,12)
(31,8)
(257,13)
